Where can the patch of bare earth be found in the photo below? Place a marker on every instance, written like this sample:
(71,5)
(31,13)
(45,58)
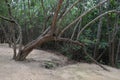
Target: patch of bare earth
(34,68)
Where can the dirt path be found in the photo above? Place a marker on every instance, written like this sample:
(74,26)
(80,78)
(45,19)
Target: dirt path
(34,68)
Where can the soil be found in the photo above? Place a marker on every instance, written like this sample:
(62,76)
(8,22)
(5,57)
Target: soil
(44,65)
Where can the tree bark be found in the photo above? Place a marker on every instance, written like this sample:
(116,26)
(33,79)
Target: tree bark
(39,41)
(98,35)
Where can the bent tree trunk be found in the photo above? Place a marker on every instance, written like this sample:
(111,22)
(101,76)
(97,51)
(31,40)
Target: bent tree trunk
(28,48)
(51,34)
(42,39)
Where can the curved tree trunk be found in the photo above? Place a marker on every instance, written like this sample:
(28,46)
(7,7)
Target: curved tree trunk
(49,36)
(39,41)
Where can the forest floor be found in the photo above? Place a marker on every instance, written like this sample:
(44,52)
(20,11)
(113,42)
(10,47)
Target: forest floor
(44,65)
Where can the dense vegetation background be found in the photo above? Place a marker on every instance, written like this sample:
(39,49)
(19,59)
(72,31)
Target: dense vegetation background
(98,29)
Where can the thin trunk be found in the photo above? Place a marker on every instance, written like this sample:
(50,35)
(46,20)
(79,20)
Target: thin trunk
(6,36)
(53,26)
(98,35)
(14,42)
(12,29)
(45,16)
(112,42)
(118,46)
(113,54)
(118,52)
(98,39)
(77,25)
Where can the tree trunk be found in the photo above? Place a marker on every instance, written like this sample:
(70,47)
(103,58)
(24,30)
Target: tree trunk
(96,50)
(39,41)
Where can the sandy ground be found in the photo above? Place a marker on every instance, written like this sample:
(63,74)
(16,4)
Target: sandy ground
(33,68)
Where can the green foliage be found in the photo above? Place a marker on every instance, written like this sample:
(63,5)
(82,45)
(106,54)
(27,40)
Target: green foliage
(118,64)
(31,16)
(50,65)
(103,45)
(3,8)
